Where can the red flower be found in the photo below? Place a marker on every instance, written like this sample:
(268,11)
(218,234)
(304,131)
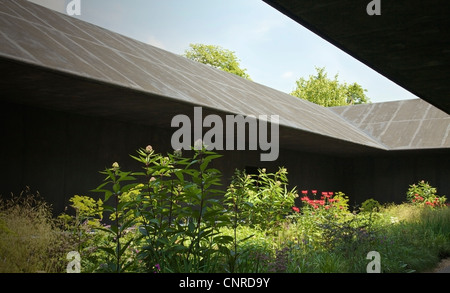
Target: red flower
(324,193)
(305,198)
(330,193)
(304,191)
(296,209)
(327,207)
(314,191)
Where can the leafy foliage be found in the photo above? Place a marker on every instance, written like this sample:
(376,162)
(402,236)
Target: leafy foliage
(31,240)
(216,57)
(171,216)
(262,200)
(326,92)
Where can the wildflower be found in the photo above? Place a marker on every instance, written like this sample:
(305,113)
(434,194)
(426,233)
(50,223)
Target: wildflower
(327,207)
(157,268)
(115,166)
(305,198)
(314,192)
(330,194)
(304,191)
(178,153)
(296,209)
(148,149)
(198,144)
(324,193)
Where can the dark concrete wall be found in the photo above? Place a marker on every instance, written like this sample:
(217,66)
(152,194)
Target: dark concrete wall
(388,177)
(59,154)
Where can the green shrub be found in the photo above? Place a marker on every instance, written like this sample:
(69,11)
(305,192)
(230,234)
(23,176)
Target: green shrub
(166,216)
(423,193)
(262,200)
(370,206)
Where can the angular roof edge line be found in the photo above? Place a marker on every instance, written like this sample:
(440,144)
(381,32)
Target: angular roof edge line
(384,146)
(105,82)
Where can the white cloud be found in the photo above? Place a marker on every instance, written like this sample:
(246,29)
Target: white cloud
(287,74)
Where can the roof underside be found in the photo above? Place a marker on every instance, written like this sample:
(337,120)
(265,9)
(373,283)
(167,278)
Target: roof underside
(410,124)
(408,43)
(58,62)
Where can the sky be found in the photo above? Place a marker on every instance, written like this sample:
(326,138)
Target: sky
(275,50)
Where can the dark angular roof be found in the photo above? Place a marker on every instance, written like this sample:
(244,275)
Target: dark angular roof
(402,125)
(408,43)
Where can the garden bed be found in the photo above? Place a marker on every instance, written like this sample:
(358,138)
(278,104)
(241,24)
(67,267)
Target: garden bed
(171,218)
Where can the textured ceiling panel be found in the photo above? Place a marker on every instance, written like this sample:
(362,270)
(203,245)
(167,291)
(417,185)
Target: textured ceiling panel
(40,37)
(408,43)
(403,125)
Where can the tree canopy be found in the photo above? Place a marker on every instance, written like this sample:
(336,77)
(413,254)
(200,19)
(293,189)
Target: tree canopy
(321,90)
(216,57)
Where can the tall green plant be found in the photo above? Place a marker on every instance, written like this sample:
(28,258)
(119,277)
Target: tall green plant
(238,207)
(265,197)
(180,210)
(115,179)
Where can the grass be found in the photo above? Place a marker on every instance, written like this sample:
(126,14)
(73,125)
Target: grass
(408,238)
(30,240)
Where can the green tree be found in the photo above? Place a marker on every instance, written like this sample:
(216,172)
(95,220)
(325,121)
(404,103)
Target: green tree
(216,57)
(326,92)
